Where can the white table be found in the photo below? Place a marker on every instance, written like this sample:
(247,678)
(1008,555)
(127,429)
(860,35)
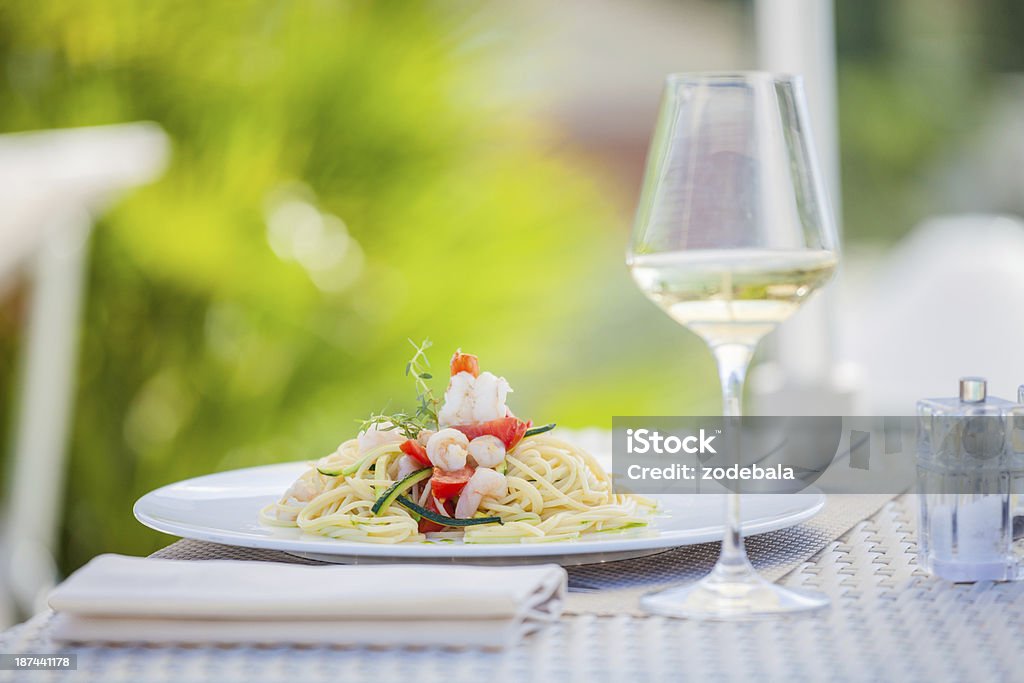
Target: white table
(888,621)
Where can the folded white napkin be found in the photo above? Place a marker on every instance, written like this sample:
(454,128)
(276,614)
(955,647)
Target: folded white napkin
(135,599)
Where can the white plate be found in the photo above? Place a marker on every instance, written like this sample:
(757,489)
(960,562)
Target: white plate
(223,507)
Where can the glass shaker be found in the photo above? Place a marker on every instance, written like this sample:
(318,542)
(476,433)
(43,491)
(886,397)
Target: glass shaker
(970,470)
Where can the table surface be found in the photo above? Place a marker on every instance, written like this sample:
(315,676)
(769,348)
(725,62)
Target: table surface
(888,621)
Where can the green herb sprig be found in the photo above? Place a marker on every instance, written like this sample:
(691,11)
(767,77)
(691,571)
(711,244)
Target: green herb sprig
(425,416)
(419,368)
(408,425)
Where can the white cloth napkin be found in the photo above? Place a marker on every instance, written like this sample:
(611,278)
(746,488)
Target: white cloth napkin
(115,598)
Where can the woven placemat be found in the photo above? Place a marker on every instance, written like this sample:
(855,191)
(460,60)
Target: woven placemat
(614,587)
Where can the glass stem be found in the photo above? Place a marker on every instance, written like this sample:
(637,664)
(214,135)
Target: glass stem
(733,360)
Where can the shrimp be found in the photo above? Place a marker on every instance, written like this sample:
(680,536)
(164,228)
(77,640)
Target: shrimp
(470,399)
(304,489)
(424,436)
(487,450)
(464,362)
(491,392)
(406,466)
(485,483)
(448,449)
(378,435)
(458,400)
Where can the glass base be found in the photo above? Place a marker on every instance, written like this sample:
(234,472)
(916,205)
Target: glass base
(737,596)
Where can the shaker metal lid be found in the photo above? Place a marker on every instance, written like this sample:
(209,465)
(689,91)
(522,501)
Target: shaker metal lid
(973,389)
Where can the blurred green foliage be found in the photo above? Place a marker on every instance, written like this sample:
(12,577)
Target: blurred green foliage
(344,175)
(916,79)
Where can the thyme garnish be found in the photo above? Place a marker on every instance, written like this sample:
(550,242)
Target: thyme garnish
(419,367)
(425,416)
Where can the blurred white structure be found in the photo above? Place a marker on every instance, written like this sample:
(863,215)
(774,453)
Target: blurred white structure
(805,374)
(597,67)
(50,183)
(944,303)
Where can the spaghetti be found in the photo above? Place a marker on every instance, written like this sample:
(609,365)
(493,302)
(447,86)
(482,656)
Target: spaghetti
(556,492)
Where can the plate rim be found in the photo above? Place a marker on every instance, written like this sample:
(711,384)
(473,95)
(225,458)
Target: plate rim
(434,551)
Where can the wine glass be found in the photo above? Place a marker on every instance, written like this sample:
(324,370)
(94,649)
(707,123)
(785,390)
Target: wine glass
(732,234)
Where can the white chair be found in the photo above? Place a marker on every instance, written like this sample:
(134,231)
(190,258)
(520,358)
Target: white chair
(51,182)
(945,302)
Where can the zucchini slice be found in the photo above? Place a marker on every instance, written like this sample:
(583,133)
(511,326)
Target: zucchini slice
(345,471)
(534,431)
(372,454)
(398,488)
(443,519)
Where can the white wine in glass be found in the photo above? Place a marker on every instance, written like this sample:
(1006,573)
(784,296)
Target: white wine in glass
(732,296)
(733,233)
